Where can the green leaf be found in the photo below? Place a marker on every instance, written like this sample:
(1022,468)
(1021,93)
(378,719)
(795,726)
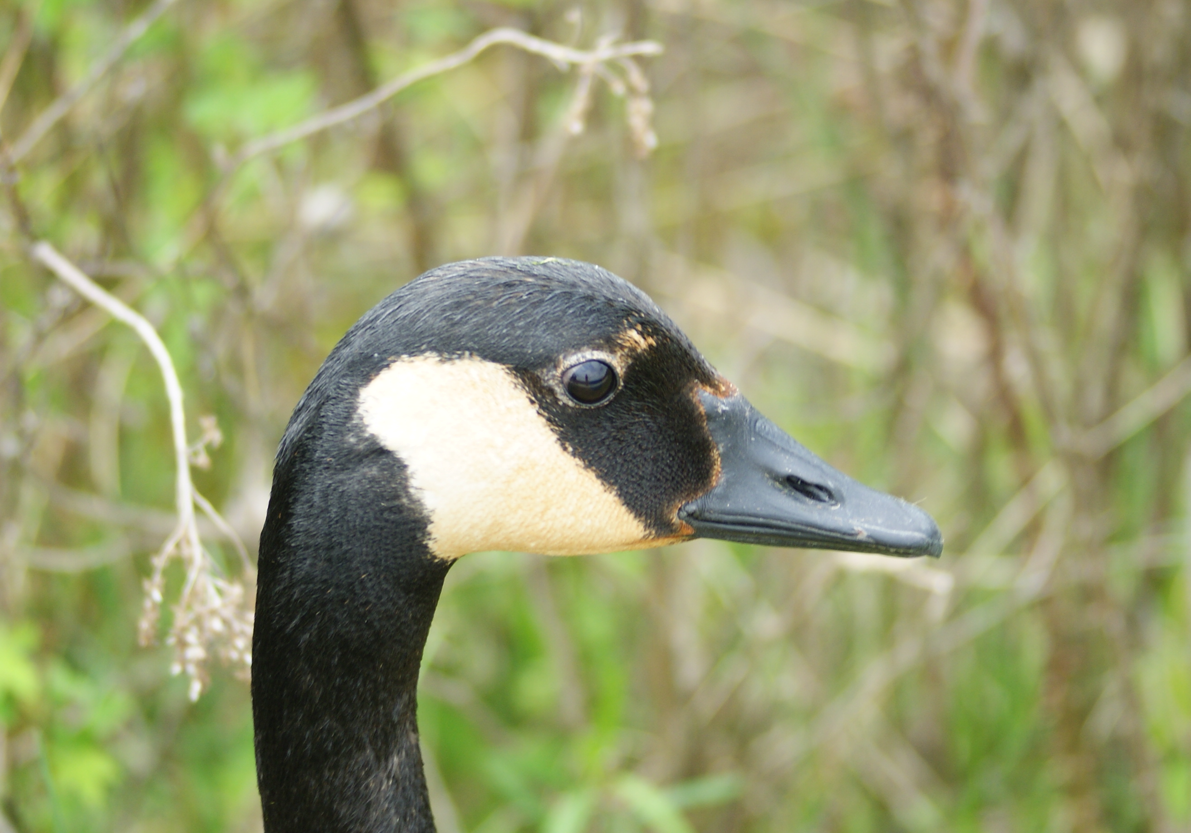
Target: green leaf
(237,96)
(232,111)
(19,679)
(433,23)
(571,813)
(109,711)
(1176,788)
(706,792)
(50,14)
(651,806)
(83,771)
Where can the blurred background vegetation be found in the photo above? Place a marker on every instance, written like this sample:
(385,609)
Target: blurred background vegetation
(946,244)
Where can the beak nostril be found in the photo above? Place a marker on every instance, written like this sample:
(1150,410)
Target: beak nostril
(811,491)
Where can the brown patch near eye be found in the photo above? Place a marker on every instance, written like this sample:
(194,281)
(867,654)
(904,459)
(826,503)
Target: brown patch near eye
(634,340)
(721,388)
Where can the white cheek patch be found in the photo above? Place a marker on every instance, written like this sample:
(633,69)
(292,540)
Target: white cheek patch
(487,466)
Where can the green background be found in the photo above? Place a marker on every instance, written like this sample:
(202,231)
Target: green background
(947,245)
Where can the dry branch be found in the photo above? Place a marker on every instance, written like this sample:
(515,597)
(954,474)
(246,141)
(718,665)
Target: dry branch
(73,277)
(563,56)
(1139,413)
(211,610)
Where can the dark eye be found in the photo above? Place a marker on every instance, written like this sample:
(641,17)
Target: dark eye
(590,382)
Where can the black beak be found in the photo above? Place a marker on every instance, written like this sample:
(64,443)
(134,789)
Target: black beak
(773,491)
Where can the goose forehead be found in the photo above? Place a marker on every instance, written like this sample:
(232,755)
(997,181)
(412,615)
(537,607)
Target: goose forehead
(486,464)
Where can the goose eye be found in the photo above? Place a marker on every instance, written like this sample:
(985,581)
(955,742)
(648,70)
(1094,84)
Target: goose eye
(590,382)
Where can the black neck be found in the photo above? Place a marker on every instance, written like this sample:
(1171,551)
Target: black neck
(346,591)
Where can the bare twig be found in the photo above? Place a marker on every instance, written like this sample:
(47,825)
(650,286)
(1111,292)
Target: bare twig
(1019,510)
(1089,125)
(591,63)
(1144,409)
(226,529)
(69,274)
(777,314)
(965,61)
(14,53)
(210,610)
(563,56)
(76,560)
(144,520)
(62,104)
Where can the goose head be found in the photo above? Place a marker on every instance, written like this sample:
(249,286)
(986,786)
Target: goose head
(529,404)
(545,405)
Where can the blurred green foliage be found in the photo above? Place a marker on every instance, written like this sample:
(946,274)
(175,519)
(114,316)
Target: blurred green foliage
(947,245)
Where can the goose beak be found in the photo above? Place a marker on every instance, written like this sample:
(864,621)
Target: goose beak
(775,492)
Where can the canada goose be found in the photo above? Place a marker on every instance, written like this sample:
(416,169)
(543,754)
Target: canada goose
(532,404)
